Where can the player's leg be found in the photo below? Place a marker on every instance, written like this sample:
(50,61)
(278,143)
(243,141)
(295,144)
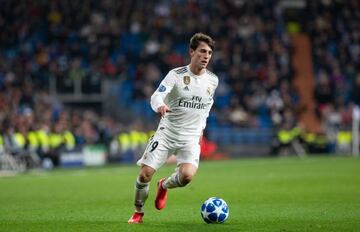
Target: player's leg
(141,193)
(154,157)
(142,187)
(181,177)
(188,161)
(186,173)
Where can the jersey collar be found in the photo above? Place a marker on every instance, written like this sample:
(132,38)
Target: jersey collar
(194,75)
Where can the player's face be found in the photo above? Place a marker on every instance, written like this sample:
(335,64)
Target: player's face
(201,56)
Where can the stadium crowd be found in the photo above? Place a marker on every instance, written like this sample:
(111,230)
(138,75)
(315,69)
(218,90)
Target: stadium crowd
(137,42)
(72,39)
(334,30)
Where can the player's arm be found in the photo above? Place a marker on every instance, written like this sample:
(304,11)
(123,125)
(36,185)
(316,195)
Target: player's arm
(157,98)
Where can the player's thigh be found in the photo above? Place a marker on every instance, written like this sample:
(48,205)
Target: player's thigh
(155,154)
(189,154)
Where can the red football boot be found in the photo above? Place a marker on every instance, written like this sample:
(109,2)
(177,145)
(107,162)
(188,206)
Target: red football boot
(161,195)
(136,218)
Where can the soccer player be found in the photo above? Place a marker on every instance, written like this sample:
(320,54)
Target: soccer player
(183,100)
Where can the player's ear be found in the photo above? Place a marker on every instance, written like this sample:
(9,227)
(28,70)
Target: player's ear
(191,52)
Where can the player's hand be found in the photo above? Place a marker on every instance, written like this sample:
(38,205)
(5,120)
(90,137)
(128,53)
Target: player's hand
(162,110)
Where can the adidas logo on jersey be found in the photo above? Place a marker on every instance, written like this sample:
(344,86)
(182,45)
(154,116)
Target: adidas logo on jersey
(186,88)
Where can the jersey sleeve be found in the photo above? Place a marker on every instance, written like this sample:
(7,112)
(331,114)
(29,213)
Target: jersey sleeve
(165,87)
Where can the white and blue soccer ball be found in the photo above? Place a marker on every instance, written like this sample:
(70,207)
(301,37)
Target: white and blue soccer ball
(214,210)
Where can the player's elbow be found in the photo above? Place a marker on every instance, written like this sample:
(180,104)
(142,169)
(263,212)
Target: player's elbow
(154,102)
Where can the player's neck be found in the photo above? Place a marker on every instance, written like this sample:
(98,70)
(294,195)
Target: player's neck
(196,70)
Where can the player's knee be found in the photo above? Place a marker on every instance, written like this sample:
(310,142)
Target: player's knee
(145,177)
(186,178)
(146,174)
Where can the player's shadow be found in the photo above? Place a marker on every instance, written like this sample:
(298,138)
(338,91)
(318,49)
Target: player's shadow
(182,226)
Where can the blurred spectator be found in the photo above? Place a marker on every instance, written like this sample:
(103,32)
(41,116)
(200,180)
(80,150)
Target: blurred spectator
(104,33)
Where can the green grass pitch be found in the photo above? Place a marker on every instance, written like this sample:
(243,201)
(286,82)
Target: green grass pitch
(278,194)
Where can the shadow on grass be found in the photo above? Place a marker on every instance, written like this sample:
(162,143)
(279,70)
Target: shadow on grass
(175,226)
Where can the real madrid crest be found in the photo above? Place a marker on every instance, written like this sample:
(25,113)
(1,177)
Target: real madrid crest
(186,80)
(209,91)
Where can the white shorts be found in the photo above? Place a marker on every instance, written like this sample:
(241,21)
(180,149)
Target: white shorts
(160,148)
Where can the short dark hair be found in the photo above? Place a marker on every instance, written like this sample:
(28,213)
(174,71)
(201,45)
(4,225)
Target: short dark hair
(201,37)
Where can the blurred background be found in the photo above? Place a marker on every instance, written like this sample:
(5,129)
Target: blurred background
(76,77)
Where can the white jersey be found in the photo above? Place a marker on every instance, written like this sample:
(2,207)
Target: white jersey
(189,98)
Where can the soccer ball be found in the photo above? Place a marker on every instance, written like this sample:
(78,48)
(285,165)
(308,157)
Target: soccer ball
(214,210)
